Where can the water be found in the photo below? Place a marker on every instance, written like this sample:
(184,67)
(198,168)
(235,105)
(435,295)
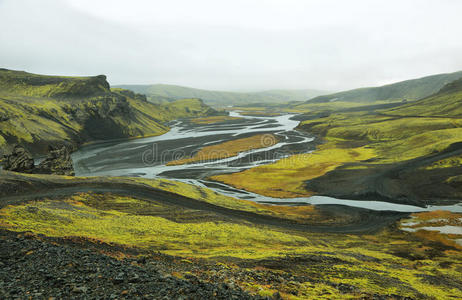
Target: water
(147,157)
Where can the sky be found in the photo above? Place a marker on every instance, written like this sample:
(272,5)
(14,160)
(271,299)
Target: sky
(240,45)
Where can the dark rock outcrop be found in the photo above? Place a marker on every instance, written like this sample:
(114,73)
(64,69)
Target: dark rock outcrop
(133,95)
(54,270)
(58,162)
(20,160)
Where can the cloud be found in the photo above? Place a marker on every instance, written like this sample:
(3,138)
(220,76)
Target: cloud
(246,45)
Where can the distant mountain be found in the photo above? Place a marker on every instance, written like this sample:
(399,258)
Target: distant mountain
(447,102)
(165,91)
(410,90)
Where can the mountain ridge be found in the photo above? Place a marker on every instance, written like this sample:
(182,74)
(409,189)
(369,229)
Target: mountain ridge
(216,97)
(447,102)
(412,89)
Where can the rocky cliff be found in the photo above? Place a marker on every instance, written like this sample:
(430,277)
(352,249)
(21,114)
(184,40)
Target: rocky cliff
(38,110)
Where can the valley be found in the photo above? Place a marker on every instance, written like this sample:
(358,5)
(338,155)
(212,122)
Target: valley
(312,200)
(230,150)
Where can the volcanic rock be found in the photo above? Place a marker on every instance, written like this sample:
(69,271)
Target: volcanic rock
(58,162)
(20,160)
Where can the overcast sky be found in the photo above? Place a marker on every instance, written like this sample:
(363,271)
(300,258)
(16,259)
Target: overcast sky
(234,45)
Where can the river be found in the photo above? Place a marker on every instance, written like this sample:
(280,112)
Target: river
(147,157)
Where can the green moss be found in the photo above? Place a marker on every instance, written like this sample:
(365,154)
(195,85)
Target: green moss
(33,85)
(73,217)
(441,105)
(54,109)
(214,119)
(205,194)
(389,262)
(229,149)
(292,172)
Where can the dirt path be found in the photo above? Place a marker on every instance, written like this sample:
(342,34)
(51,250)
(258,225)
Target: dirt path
(364,221)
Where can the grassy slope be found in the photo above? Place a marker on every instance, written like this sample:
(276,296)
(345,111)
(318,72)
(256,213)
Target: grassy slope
(222,97)
(186,108)
(413,131)
(409,89)
(21,83)
(36,110)
(445,103)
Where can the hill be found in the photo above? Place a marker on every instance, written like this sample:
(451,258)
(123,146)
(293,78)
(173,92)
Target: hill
(446,103)
(416,150)
(36,110)
(409,154)
(220,98)
(405,90)
(21,83)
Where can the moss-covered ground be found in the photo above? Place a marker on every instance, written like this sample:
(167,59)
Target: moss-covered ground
(286,177)
(306,265)
(213,120)
(229,149)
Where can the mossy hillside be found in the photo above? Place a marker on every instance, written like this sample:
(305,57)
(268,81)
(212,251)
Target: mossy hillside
(446,103)
(439,112)
(203,194)
(409,131)
(189,107)
(21,83)
(36,110)
(393,139)
(389,262)
(335,106)
(36,122)
(383,136)
(405,90)
(147,231)
(454,161)
(26,121)
(32,182)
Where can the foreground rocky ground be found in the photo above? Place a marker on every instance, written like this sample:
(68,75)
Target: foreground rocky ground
(32,268)
(41,268)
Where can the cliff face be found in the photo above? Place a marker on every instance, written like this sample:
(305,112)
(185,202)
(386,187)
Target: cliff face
(37,110)
(20,83)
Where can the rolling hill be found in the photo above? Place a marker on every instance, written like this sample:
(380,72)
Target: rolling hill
(446,103)
(220,98)
(405,90)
